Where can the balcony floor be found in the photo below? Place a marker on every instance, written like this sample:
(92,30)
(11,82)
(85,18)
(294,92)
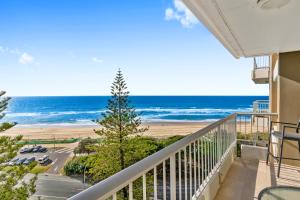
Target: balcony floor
(246,179)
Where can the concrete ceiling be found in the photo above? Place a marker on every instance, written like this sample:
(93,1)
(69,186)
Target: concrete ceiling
(247,30)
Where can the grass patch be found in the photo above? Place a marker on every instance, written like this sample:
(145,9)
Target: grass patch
(65,141)
(40,169)
(7,168)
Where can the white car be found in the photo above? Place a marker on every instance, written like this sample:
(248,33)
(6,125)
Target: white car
(43,159)
(13,162)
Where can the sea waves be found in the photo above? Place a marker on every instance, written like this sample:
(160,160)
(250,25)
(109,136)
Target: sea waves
(152,114)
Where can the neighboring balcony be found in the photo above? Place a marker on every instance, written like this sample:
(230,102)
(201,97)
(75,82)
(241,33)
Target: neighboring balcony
(225,160)
(261,106)
(261,69)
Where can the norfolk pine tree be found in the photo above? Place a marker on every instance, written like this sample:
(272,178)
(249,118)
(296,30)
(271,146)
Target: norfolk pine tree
(11,186)
(119,122)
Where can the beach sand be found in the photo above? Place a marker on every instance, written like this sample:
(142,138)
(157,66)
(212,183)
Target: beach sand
(156,129)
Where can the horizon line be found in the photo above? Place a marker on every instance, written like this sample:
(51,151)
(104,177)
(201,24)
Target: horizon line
(175,95)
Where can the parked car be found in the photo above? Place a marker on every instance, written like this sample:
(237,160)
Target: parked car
(13,162)
(44,159)
(29,160)
(24,150)
(20,161)
(30,149)
(43,149)
(36,149)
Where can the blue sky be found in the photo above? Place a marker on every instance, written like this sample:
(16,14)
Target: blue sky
(68,47)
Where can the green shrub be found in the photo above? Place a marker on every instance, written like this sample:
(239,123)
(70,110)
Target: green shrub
(32,165)
(75,166)
(84,146)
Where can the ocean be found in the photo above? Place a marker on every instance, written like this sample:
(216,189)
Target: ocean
(81,110)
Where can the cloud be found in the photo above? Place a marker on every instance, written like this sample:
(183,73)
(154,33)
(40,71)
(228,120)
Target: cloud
(182,14)
(8,50)
(26,59)
(97,60)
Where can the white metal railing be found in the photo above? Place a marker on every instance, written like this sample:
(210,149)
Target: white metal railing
(261,62)
(179,171)
(261,106)
(254,126)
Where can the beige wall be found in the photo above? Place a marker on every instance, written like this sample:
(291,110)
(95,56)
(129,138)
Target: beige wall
(273,85)
(286,94)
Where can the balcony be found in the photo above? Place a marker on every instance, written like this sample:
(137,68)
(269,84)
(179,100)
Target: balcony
(261,106)
(213,163)
(261,70)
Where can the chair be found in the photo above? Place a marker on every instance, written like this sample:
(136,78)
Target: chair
(283,135)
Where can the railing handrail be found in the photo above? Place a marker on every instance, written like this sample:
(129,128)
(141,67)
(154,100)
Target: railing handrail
(261,62)
(119,180)
(267,101)
(255,113)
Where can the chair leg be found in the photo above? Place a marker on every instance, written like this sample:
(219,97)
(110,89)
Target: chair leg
(268,154)
(280,158)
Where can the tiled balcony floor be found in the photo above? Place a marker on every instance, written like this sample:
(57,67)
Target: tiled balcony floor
(246,179)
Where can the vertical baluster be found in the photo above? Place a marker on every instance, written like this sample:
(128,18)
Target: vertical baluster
(240,123)
(115,196)
(185,175)
(222,142)
(144,187)
(209,154)
(131,191)
(245,123)
(251,124)
(263,124)
(202,162)
(205,162)
(257,129)
(164,181)
(190,170)
(173,177)
(198,149)
(195,168)
(155,183)
(214,149)
(179,174)
(218,144)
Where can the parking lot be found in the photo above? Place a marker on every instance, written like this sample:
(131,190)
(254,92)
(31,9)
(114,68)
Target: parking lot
(57,157)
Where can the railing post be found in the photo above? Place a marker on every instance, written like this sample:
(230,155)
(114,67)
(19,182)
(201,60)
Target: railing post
(173,177)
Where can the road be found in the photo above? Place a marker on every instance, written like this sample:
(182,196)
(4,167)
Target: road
(58,157)
(55,187)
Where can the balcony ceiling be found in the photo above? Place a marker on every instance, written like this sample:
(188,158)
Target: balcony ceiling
(246,29)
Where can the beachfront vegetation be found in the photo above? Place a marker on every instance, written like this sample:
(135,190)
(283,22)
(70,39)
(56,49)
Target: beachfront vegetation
(85,146)
(143,147)
(49,141)
(37,169)
(12,187)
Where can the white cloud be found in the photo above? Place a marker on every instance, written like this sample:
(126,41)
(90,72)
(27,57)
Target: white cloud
(182,14)
(97,60)
(10,51)
(26,59)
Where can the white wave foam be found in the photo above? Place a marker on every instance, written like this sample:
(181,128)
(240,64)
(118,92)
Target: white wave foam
(193,110)
(10,114)
(77,123)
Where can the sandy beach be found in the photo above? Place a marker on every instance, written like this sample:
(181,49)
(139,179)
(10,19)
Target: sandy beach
(156,129)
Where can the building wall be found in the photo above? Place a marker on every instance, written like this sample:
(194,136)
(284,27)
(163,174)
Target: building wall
(273,84)
(288,96)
